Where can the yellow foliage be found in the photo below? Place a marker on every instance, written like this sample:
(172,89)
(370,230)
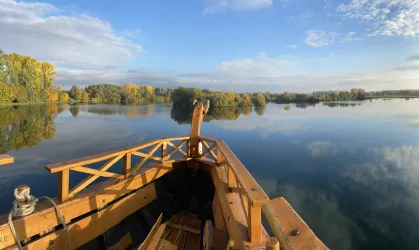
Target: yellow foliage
(85,97)
(231,96)
(149,89)
(65,97)
(52,94)
(247,98)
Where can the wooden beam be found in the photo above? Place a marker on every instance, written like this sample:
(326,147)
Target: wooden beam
(220,157)
(232,182)
(98,223)
(255,224)
(44,218)
(218,214)
(63,184)
(126,164)
(6,159)
(83,184)
(231,223)
(143,161)
(283,220)
(208,151)
(177,148)
(98,172)
(157,236)
(254,192)
(148,156)
(212,153)
(146,243)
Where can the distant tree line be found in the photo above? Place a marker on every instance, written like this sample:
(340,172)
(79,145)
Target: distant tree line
(184,97)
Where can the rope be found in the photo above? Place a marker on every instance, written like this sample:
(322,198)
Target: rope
(24,204)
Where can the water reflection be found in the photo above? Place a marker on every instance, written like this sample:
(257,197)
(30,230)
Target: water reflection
(184,115)
(26,126)
(350,168)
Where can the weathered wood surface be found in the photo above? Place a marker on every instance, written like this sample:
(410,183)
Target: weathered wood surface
(232,225)
(283,219)
(44,217)
(6,159)
(146,243)
(98,223)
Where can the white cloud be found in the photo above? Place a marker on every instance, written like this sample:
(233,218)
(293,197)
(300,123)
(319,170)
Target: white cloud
(386,17)
(73,41)
(275,74)
(292,46)
(212,6)
(320,38)
(350,37)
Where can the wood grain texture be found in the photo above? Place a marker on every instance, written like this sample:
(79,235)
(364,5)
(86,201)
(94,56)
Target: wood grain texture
(283,219)
(146,243)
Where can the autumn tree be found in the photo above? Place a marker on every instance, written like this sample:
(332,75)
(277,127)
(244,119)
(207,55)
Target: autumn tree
(48,74)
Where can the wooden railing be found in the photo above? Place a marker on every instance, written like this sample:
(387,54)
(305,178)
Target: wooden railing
(238,180)
(128,167)
(282,219)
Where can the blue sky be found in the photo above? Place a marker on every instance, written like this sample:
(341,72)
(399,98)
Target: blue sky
(241,45)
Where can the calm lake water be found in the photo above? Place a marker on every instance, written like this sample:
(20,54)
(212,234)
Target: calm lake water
(351,170)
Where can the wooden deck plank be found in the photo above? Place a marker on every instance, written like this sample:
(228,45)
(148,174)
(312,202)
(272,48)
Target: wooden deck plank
(170,230)
(283,219)
(180,238)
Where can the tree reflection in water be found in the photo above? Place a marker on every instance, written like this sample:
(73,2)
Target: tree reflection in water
(26,126)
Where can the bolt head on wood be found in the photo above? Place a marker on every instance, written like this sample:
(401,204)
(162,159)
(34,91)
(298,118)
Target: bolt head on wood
(295,232)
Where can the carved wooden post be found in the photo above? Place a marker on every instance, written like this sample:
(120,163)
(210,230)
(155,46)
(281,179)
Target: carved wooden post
(126,164)
(197,117)
(63,184)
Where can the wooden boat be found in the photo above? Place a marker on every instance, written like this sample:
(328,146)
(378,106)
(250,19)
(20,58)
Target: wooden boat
(200,200)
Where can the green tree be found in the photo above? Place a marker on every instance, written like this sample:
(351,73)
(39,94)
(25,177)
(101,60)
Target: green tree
(259,100)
